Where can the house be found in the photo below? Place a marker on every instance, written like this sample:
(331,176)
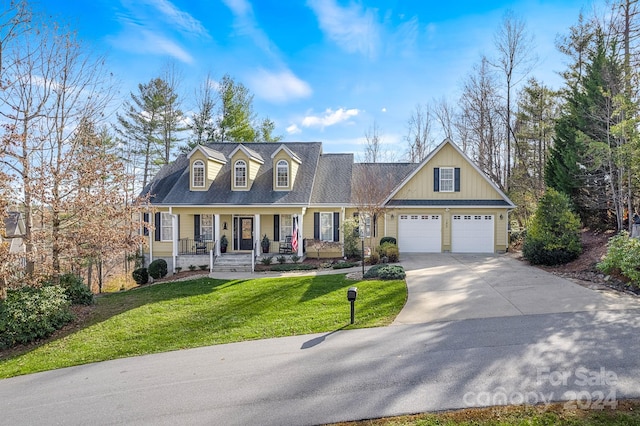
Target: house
(294,191)
(14,228)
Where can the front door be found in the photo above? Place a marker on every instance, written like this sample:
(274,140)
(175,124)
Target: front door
(246,233)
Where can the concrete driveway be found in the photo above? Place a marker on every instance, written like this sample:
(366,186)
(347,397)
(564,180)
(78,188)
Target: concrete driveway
(445,287)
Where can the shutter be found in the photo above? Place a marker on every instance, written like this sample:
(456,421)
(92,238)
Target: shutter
(456,181)
(276,227)
(336,226)
(196,226)
(356,230)
(157,224)
(145,229)
(316,226)
(436,179)
(373,225)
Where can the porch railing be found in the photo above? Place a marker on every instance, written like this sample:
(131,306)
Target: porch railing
(191,246)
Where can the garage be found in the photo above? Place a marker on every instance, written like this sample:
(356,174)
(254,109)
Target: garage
(420,233)
(472,233)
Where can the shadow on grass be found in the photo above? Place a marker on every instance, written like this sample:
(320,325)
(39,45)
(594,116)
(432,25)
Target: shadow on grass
(316,341)
(327,284)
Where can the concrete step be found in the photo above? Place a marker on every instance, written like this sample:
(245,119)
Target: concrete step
(233,263)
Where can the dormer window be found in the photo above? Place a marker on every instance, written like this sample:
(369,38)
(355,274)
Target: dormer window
(240,174)
(282,174)
(197,174)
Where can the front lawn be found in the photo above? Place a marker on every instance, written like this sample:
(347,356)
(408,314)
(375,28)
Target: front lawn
(206,311)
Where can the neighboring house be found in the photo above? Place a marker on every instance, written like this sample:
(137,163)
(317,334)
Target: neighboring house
(14,230)
(246,191)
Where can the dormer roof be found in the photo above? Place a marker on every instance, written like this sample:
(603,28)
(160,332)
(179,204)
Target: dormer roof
(210,153)
(249,153)
(290,153)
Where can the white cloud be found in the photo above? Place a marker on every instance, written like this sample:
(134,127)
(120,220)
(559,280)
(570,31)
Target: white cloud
(143,41)
(279,87)
(293,129)
(383,110)
(245,24)
(330,117)
(178,18)
(353,28)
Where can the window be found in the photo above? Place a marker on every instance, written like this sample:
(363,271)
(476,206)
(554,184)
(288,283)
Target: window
(206,227)
(326,226)
(166,227)
(240,174)
(365,225)
(286,226)
(446,179)
(282,174)
(198,174)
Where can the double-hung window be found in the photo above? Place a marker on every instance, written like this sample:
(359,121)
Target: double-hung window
(446,179)
(240,174)
(282,174)
(286,226)
(326,226)
(206,227)
(166,226)
(198,174)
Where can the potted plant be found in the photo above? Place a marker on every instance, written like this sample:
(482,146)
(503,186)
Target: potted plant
(223,244)
(265,243)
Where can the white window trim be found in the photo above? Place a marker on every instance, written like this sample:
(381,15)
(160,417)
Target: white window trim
(451,180)
(286,164)
(166,216)
(235,173)
(203,226)
(331,227)
(200,165)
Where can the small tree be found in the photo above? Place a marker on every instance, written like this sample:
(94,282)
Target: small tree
(554,234)
(351,240)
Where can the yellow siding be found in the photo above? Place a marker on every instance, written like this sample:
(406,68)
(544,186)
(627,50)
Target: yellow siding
(211,170)
(473,186)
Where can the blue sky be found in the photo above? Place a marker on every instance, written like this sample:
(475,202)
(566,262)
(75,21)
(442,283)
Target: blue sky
(323,70)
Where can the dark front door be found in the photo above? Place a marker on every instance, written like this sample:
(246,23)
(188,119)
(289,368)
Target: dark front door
(246,233)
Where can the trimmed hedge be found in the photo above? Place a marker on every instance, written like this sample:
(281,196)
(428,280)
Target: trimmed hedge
(140,276)
(391,240)
(343,265)
(293,267)
(158,269)
(31,313)
(386,272)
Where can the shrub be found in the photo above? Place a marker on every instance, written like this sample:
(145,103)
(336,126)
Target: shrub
(76,291)
(31,313)
(192,267)
(140,276)
(391,240)
(391,272)
(553,237)
(295,258)
(293,267)
(393,255)
(266,260)
(203,267)
(343,265)
(178,269)
(623,256)
(374,258)
(158,268)
(281,259)
(351,238)
(373,271)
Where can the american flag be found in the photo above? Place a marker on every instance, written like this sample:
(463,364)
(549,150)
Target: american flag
(294,237)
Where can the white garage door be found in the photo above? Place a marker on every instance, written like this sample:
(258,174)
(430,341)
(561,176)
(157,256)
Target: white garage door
(420,234)
(472,234)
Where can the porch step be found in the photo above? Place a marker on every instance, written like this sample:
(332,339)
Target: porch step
(232,262)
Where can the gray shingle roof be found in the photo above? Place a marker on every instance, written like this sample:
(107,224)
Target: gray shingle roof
(389,175)
(171,185)
(333,179)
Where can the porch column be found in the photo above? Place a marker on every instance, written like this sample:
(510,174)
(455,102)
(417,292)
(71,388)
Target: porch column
(216,227)
(256,235)
(300,236)
(174,239)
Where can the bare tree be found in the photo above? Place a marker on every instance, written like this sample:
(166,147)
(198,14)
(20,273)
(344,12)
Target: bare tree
(419,139)
(514,60)
(373,141)
(444,113)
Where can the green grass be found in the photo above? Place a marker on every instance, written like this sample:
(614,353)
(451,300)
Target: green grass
(202,312)
(627,413)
